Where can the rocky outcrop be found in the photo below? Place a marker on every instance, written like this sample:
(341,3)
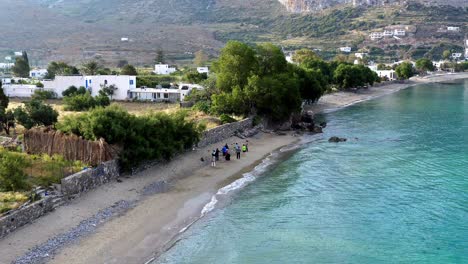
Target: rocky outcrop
(306,122)
(337,140)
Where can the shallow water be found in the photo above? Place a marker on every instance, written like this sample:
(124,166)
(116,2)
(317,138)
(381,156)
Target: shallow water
(396,192)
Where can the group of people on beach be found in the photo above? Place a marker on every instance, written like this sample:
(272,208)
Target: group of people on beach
(227,153)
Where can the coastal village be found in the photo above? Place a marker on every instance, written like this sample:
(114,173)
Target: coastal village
(86,142)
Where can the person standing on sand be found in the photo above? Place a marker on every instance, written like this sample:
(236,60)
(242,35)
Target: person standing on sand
(238,150)
(213,158)
(246,146)
(228,155)
(217,154)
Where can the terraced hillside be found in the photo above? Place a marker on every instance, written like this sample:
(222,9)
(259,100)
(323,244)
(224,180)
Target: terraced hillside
(78,30)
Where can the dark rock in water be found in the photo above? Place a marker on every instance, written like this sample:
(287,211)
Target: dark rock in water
(337,139)
(323,124)
(307,117)
(318,129)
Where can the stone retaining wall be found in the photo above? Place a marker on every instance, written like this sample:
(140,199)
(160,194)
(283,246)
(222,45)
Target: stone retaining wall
(223,132)
(89,179)
(27,214)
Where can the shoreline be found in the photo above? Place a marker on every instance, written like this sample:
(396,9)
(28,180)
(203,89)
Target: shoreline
(159,213)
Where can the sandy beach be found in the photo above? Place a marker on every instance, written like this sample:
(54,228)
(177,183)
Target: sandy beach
(163,199)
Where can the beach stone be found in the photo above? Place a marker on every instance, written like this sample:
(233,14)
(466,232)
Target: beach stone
(307,117)
(337,140)
(323,124)
(317,129)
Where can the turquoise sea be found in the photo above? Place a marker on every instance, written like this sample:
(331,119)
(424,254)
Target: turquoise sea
(396,192)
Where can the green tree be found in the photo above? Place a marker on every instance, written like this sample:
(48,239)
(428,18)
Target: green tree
(201,58)
(447,54)
(21,67)
(312,83)
(424,65)
(128,70)
(12,171)
(404,70)
(7,119)
(236,63)
(90,68)
(60,68)
(109,90)
(160,58)
(35,113)
(270,59)
(303,56)
(274,97)
(195,77)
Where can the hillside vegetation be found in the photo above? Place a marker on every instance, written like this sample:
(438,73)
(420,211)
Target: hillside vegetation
(93,28)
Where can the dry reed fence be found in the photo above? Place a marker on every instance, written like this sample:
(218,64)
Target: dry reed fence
(71,147)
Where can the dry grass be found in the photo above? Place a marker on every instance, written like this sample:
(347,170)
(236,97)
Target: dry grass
(11,200)
(136,108)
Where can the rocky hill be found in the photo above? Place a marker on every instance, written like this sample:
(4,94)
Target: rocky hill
(78,30)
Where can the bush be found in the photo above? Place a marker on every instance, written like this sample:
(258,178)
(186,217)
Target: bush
(12,171)
(226,119)
(153,136)
(72,90)
(35,113)
(202,106)
(83,102)
(44,95)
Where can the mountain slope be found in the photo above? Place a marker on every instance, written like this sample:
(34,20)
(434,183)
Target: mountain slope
(78,30)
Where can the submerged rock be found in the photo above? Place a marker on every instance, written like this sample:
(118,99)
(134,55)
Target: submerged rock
(337,140)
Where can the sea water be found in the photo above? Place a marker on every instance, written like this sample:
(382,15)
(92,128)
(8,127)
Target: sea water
(395,192)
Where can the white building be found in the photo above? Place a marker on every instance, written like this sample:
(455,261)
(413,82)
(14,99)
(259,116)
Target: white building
(162,69)
(124,39)
(203,70)
(38,73)
(399,32)
(345,49)
(6,80)
(387,74)
(8,58)
(5,66)
(19,90)
(18,53)
(456,55)
(163,94)
(360,55)
(388,33)
(94,83)
(376,35)
(451,28)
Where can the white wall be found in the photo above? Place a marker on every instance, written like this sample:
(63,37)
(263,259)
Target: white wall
(19,90)
(124,83)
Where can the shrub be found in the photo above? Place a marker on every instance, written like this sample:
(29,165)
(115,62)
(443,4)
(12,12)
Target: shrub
(202,106)
(12,171)
(72,90)
(226,119)
(153,136)
(44,95)
(79,102)
(35,113)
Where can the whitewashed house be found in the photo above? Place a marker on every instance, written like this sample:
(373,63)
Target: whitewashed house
(376,35)
(18,53)
(163,94)
(5,81)
(155,94)
(19,90)
(453,29)
(203,70)
(38,73)
(94,84)
(388,74)
(388,33)
(360,55)
(345,49)
(399,32)
(5,66)
(124,39)
(456,55)
(466,49)
(163,69)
